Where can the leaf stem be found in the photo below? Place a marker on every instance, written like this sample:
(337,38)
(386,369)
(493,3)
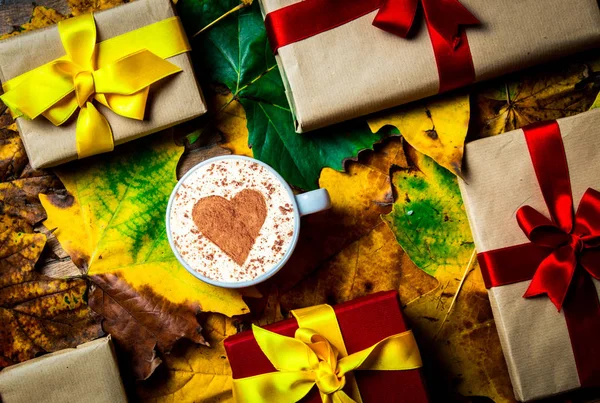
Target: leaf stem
(462,281)
(233,10)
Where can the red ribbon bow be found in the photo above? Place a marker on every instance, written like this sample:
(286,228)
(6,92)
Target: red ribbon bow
(572,245)
(444,16)
(572,241)
(559,244)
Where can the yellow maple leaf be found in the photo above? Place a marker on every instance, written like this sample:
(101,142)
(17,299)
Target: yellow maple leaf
(437,127)
(113,221)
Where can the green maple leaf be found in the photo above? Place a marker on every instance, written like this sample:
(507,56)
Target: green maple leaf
(235,52)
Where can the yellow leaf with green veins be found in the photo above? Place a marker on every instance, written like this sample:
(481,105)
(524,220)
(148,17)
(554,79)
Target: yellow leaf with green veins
(115,222)
(436,127)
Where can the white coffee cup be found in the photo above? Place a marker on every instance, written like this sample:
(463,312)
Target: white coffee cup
(304,204)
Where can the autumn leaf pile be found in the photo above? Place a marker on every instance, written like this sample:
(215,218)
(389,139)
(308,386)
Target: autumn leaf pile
(397,220)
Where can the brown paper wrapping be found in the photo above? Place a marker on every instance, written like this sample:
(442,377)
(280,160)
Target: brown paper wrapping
(357,69)
(86,374)
(499,179)
(171,101)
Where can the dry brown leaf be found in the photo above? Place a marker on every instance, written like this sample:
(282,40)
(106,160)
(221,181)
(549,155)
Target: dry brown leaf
(547,92)
(20,208)
(38,314)
(142,322)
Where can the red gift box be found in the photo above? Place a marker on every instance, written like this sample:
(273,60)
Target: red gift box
(363,322)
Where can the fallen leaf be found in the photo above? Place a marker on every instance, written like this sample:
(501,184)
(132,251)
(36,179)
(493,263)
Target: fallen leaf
(38,314)
(113,222)
(20,185)
(437,127)
(40,18)
(428,219)
(235,53)
(373,263)
(551,91)
(231,122)
(356,253)
(142,322)
(194,373)
(596,103)
(79,7)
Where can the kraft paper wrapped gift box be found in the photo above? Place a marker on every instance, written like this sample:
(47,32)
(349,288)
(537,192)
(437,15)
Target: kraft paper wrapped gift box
(363,322)
(499,180)
(172,100)
(355,68)
(86,374)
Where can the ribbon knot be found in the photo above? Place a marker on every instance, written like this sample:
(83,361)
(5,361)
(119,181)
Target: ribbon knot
(577,244)
(119,80)
(84,87)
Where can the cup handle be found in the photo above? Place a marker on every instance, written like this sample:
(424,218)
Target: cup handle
(313,201)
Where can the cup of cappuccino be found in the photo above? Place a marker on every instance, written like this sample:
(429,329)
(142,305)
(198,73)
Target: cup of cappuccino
(233,222)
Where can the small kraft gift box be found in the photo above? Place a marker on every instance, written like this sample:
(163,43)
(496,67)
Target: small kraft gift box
(95,81)
(533,204)
(341,59)
(86,374)
(356,351)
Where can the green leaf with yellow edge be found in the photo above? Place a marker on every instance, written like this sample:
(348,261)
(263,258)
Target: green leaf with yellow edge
(429,222)
(437,127)
(114,221)
(428,217)
(38,314)
(194,373)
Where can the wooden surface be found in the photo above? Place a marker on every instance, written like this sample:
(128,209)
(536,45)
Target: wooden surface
(17,12)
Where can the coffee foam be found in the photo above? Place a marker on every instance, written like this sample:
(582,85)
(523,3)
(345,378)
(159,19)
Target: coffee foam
(226,178)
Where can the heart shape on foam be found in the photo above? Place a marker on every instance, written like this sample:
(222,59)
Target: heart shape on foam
(233,225)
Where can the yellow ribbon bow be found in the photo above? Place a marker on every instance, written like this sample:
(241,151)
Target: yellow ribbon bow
(319,357)
(117,73)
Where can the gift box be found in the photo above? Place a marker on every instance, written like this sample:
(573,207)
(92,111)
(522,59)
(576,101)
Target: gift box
(363,322)
(336,65)
(88,373)
(147,30)
(534,215)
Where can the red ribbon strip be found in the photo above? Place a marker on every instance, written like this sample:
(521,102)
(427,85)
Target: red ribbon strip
(564,252)
(454,62)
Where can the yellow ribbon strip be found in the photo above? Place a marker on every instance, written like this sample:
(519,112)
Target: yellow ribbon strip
(316,355)
(117,73)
